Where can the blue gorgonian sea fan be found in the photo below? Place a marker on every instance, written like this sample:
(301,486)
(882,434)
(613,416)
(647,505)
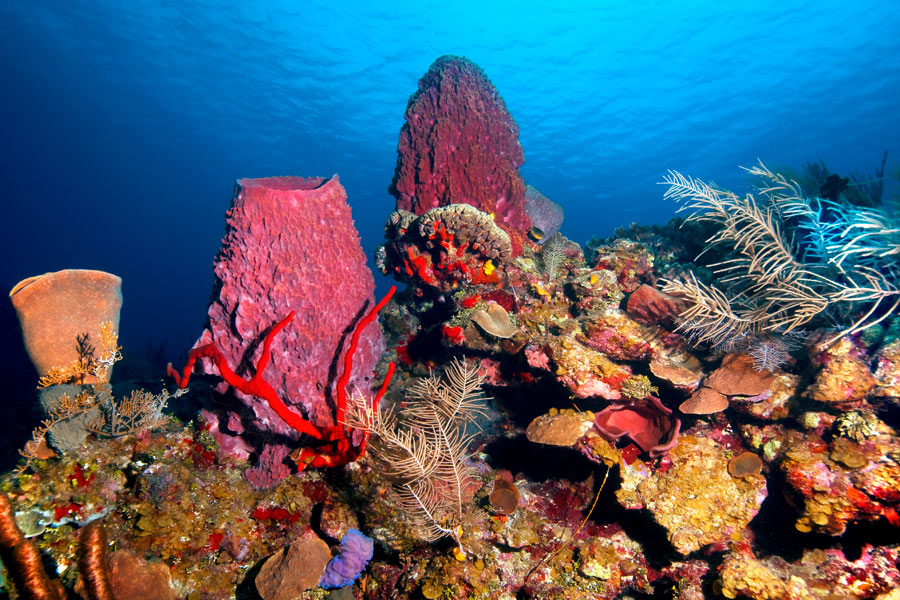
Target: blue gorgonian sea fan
(840,267)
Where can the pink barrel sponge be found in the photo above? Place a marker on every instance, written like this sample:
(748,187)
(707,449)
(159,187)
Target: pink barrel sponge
(460,145)
(290,244)
(647,422)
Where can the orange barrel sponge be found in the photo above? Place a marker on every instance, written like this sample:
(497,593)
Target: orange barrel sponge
(55,308)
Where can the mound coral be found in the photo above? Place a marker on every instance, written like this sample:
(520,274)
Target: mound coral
(447,246)
(494,320)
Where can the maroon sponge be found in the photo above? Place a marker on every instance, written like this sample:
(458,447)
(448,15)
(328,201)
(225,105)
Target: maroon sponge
(460,145)
(290,244)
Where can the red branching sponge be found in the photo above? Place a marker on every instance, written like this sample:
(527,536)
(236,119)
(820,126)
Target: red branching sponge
(339,449)
(290,245)
(460,145)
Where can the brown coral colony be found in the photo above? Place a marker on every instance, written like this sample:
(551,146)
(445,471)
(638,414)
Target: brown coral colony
(745,464)
(504,497)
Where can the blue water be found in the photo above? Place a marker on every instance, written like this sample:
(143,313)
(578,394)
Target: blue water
(126,122)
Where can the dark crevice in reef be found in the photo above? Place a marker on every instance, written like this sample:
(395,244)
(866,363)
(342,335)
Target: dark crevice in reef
(520,404)
(537,462)
(638,524)
(774,532)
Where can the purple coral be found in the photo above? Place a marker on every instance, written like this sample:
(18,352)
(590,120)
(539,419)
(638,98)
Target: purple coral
(356,552)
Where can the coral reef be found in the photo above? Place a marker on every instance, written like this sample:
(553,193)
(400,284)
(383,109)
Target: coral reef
(554,422)
(655,486)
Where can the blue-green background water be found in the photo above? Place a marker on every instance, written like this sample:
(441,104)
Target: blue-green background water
(126,123)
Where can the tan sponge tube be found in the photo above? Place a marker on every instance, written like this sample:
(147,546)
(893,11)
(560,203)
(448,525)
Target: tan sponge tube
(55,308)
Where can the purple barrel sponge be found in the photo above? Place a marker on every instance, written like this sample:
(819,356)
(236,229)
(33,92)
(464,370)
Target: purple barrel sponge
(356,552)
(545,214)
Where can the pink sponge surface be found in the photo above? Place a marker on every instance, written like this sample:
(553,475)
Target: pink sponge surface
(459,144)
(290,244)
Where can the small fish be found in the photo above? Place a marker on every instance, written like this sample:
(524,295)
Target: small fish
(536,234)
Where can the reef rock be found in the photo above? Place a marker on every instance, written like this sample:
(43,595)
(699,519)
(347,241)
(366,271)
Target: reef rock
(818,575)
(135,578)
(843,382)
(617,336)
(631,261)
(773,404)
(696,499)
(460,144)
(587,372)
(842,481)
(887,373)
(292,570)
(613,562)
